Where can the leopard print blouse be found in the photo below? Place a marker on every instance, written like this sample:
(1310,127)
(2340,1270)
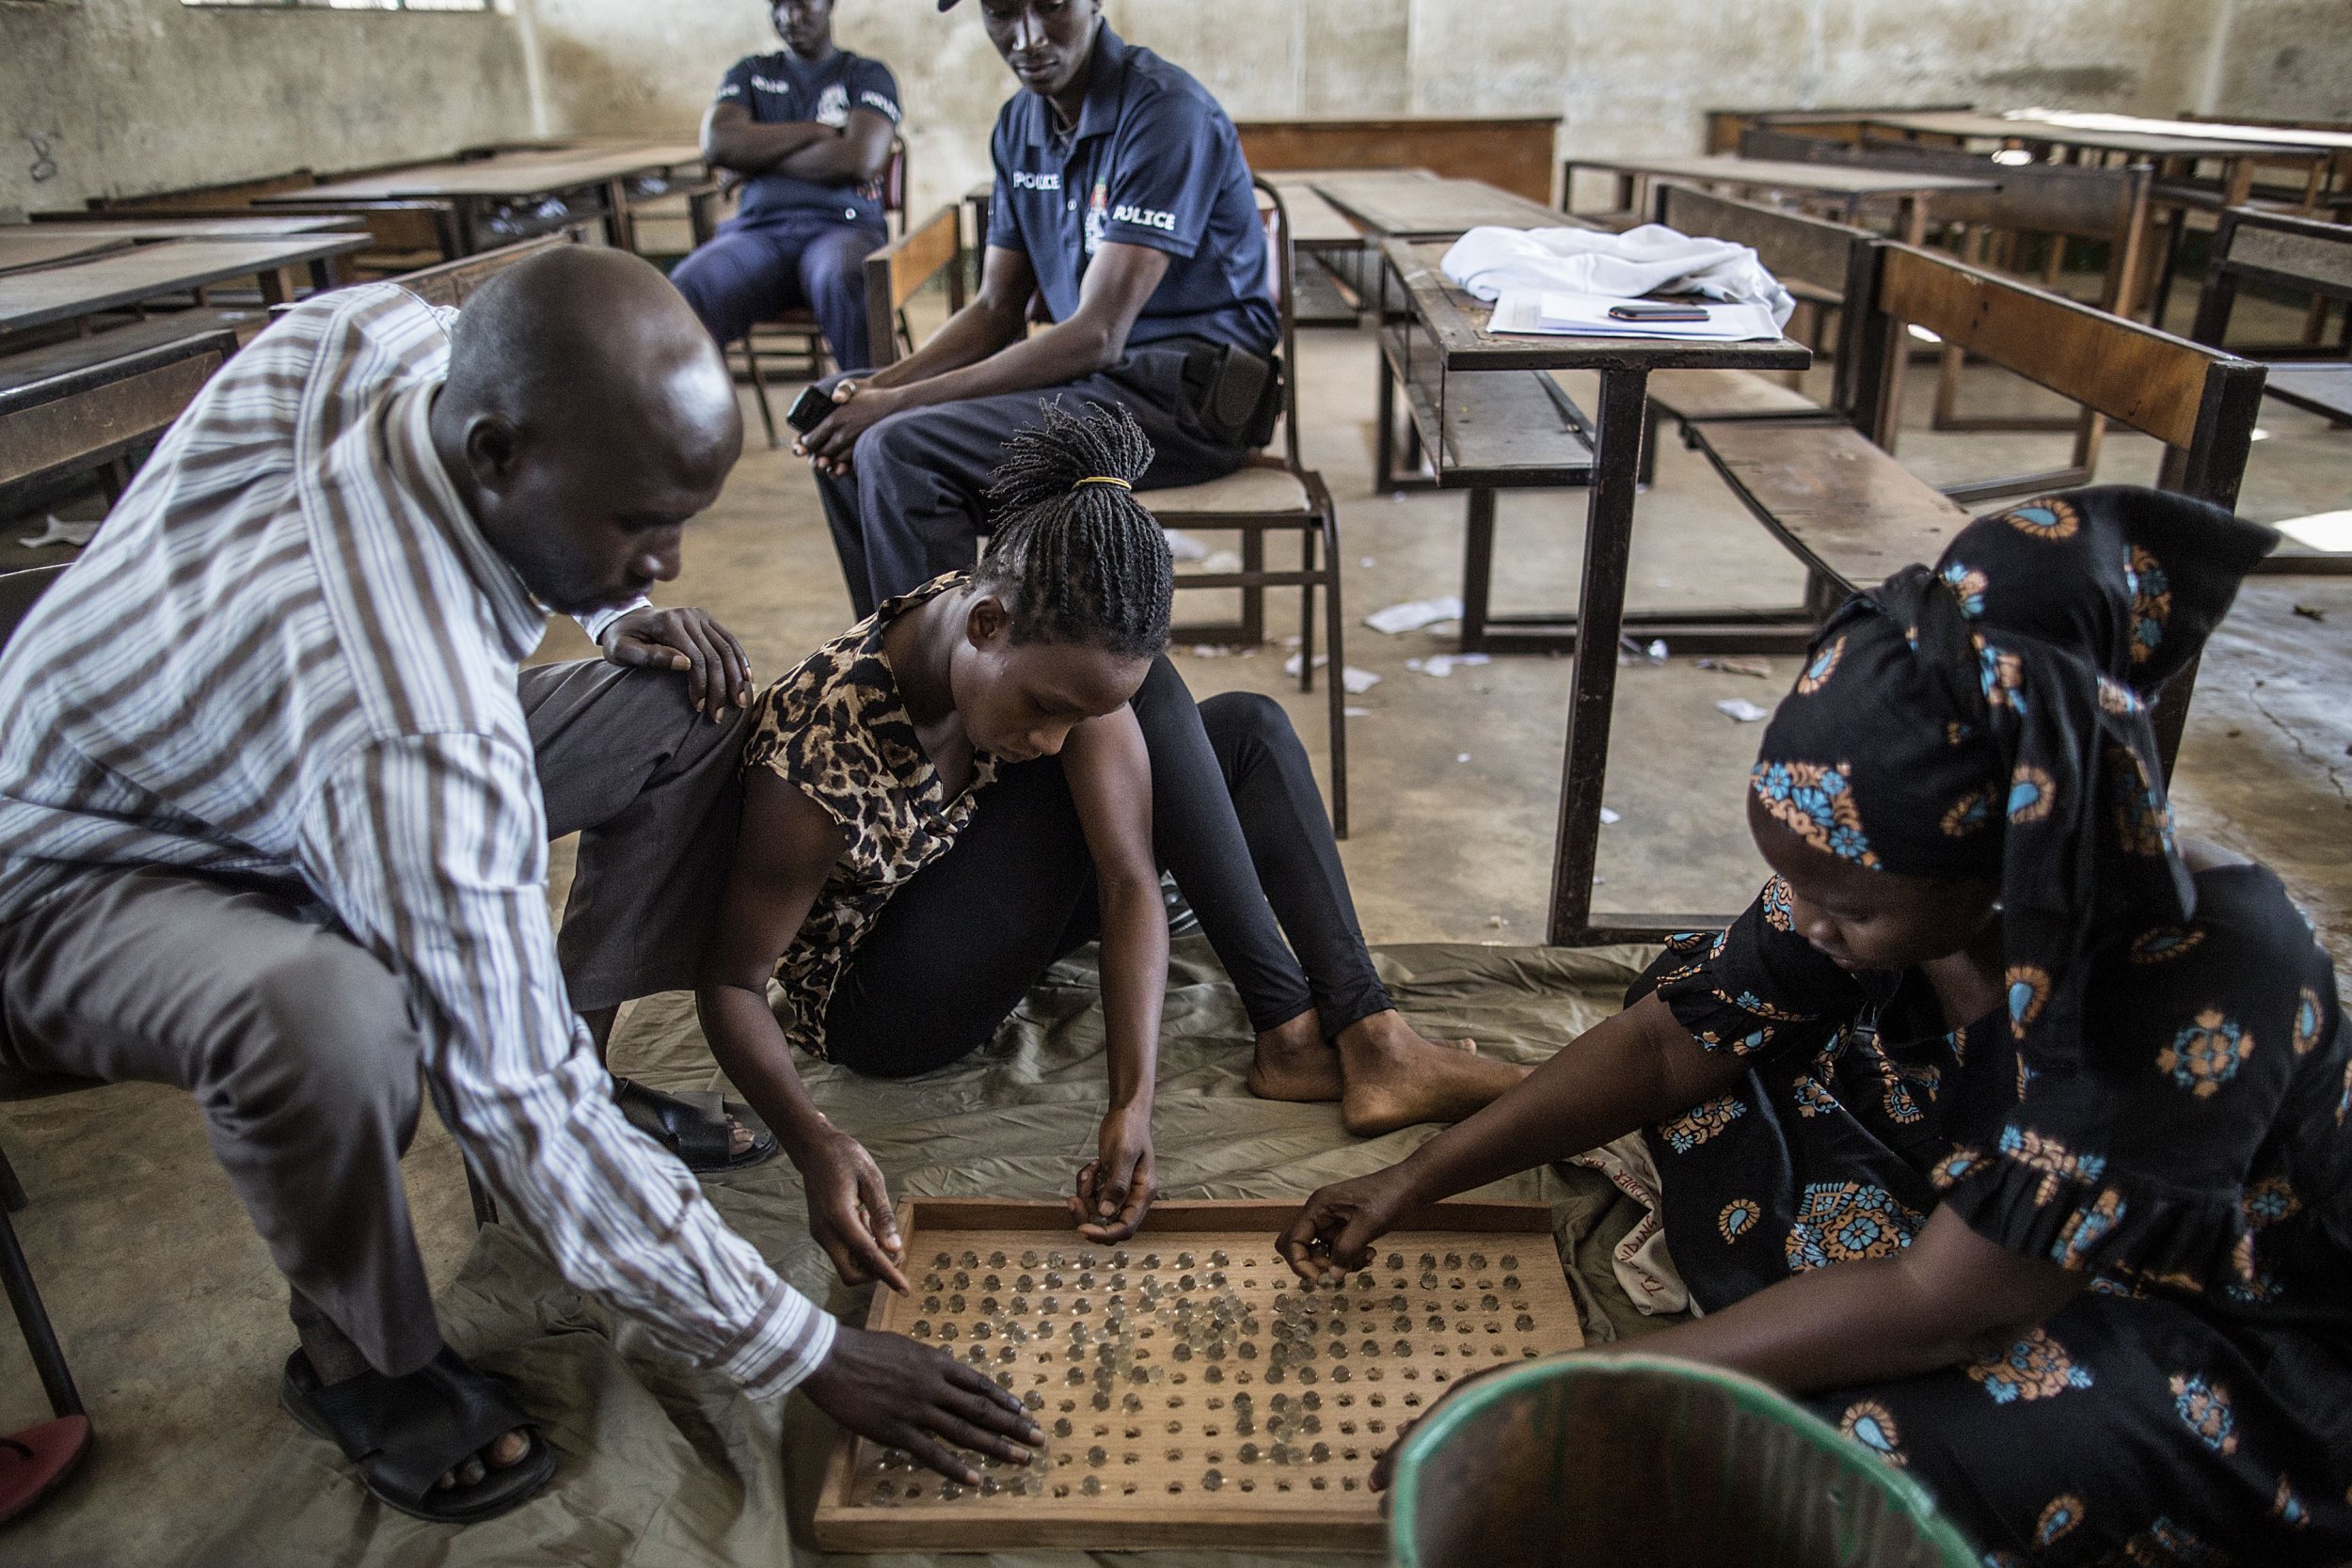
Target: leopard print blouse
(836,729)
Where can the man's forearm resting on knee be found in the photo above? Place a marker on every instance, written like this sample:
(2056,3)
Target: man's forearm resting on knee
(991,356)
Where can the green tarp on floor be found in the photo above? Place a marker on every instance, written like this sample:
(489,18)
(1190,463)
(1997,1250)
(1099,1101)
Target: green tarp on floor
(666,1468)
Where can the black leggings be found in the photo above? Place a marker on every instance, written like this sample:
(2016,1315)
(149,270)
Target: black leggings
(1234,815)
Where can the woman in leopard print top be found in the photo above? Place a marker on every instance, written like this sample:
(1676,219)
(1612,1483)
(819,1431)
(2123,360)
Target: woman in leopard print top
(993,771)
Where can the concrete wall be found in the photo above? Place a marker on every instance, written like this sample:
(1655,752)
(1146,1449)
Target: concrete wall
(2285,58)
(117,97)
(1625,75)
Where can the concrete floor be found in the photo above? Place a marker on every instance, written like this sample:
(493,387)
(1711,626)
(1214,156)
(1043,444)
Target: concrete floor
(174,1319)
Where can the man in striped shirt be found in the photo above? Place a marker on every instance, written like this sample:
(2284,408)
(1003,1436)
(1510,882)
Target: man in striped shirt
(274,811)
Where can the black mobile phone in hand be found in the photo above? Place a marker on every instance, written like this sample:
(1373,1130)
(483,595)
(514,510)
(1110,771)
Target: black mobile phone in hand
(1656,311)
(809,409)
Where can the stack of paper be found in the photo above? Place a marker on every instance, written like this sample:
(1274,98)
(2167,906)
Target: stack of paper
(1551,312)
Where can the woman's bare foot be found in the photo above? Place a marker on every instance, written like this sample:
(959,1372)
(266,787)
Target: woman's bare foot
(1393,1077)
(1295,1062)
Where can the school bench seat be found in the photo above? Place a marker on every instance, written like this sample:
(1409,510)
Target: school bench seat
(448,284)
(1845,508)
(1829,266)
(2299,254)
(1855,514)
(2322,390)
(85,401)
(2306,257)
(1690,395)
(1261,485)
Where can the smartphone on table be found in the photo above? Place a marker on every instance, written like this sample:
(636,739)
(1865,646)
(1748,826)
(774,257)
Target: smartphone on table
(1656,311)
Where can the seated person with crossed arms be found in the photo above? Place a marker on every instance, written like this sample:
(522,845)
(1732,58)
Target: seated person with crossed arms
(809,132)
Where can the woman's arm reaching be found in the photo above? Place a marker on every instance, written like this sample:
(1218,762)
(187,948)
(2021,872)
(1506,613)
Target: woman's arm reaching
(1110,782)
(1933,1305)
(1631,1070)
(784,850)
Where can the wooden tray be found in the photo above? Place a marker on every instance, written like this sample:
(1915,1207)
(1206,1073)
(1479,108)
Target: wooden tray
(1193,1350)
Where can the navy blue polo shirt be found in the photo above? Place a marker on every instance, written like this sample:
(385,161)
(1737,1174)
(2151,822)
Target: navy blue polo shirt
(1153,160)
(782,88)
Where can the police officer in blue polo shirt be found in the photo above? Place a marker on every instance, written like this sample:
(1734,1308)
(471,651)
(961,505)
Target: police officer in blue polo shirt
(809,132)
(1123,202)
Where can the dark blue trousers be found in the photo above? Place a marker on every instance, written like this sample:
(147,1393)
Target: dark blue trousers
(916,503)
(751,270)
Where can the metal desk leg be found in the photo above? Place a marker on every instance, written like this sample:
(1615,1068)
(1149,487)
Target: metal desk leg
(1600,619)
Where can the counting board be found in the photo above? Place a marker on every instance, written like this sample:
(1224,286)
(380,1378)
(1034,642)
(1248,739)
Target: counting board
(1193,1390)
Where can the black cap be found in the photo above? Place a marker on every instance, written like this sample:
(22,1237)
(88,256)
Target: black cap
(946,5)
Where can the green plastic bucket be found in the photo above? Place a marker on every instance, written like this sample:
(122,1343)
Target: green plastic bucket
(1640,1462)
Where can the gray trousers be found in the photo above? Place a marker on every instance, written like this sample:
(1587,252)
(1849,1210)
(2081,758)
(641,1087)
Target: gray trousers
(299,1045)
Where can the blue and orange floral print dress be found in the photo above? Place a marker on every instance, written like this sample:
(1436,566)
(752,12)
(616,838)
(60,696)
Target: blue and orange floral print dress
(2189,1154)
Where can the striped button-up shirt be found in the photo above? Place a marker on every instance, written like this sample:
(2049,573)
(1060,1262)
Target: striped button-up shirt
(289,655)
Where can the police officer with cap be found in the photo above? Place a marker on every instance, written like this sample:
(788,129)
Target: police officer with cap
(1123,204)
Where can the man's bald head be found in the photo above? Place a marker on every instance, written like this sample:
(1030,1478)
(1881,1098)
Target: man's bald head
(586,410)
(598,343)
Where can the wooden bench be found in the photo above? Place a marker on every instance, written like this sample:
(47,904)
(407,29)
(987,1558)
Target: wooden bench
(86,403)
(2300,254)
(2057,202)
(1853,515)
(1831,266)
(2310,258)
(452,281)
(901,269)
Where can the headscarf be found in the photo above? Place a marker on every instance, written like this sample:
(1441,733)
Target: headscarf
(1990,718)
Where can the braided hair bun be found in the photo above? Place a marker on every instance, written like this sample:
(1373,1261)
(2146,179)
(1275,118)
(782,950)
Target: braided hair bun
(1074,555)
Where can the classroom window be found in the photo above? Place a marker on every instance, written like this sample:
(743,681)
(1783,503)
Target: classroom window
(351,5)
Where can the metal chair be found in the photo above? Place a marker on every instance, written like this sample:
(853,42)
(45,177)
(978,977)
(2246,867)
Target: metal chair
(1274,492)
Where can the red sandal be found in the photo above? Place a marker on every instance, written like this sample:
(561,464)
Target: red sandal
(35,1462)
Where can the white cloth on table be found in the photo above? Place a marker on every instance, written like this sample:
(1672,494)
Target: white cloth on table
(1639,261)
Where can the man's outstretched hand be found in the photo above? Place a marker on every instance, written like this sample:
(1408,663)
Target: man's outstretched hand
(886,1387)
(717,672)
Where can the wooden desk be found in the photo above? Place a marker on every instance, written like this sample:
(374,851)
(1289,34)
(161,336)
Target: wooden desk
(477,189)
(1515,152)
(1317,228)
(1446,336)
(2175,155)
(1850,187)
(87,400)
(225,227)
(2001,128)
(1403,204)
(2205,129)
(125,277)
(27,247)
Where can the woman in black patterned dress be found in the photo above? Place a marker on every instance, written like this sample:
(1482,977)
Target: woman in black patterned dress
(2001,1128)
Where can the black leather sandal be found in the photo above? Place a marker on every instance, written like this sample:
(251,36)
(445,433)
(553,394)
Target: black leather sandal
(406,1432)
(693,1126)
